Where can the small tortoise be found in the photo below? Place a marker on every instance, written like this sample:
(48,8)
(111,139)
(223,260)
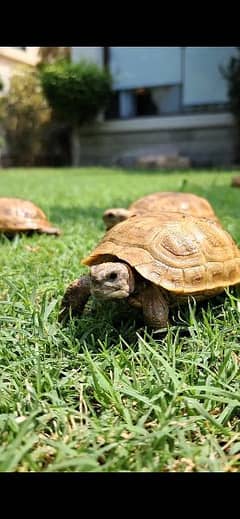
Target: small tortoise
(17,215)
(155,262)
(187,203)
(235,181)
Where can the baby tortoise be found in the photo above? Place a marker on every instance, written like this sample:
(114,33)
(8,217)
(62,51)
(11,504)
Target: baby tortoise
(187,203)
(155,262)
(17,215)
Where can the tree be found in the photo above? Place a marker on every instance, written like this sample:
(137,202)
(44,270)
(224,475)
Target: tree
(76,91)
(51,54)
(26,114)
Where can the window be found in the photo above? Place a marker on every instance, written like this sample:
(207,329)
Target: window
(143,102)
(155,81)
(112,110)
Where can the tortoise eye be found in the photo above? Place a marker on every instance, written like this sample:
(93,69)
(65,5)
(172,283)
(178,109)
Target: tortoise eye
(112,276)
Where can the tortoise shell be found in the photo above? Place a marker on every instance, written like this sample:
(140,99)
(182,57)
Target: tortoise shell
(181,253)
(187,203)
(17,215)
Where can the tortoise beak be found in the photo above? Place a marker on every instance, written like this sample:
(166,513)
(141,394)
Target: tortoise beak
(108,292)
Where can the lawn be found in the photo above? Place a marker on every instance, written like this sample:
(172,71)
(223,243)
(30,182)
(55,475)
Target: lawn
(104,393)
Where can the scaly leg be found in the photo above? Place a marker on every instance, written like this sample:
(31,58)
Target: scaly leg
(155,307)
(75,298)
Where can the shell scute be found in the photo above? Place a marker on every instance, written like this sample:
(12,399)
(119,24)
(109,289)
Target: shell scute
(181,253)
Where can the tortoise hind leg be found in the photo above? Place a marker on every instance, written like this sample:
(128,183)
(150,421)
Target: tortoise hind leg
(75,298)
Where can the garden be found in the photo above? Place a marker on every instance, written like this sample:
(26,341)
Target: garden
(105,393)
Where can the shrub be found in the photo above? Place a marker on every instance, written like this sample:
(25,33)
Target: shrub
(2,142)
(76,91)
(51,54)
(26,113)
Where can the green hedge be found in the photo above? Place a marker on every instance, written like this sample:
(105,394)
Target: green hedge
(76,91)
(25,115)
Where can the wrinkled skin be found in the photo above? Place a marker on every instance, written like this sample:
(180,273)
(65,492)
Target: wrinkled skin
(112,281)
(116,215)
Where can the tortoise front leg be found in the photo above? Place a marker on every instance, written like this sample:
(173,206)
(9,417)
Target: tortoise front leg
(155,307)
(75,298)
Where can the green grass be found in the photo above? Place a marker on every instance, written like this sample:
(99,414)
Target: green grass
(104,393)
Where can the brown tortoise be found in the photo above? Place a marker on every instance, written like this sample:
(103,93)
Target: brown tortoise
(155,262)
(235,181)
(17,215)
(187,203)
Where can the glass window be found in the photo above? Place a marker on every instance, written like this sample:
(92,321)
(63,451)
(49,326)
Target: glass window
(151,81)
(203,81)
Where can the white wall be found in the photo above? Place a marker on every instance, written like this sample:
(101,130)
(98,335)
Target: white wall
(5,75)
(11,58)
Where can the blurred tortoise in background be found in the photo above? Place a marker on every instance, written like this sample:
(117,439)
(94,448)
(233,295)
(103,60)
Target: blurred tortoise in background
(17,215)
(156,261)
(187,203)
(236,181)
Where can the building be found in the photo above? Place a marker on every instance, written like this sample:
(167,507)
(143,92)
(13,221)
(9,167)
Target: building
(11,57)
(165,100)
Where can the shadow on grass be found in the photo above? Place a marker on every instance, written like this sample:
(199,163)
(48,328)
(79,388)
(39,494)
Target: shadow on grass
(75,214)
(168,172)
(58,215)
(115,323)
(105,325)
(223,198)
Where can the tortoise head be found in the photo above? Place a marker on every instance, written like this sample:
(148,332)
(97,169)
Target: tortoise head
(116,215)
(111,280)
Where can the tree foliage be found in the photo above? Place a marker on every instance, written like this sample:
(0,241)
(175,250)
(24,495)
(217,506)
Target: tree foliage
(26,113)
(51,54)
(76,91)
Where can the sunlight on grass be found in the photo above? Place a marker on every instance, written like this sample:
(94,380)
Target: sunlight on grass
(104,393)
